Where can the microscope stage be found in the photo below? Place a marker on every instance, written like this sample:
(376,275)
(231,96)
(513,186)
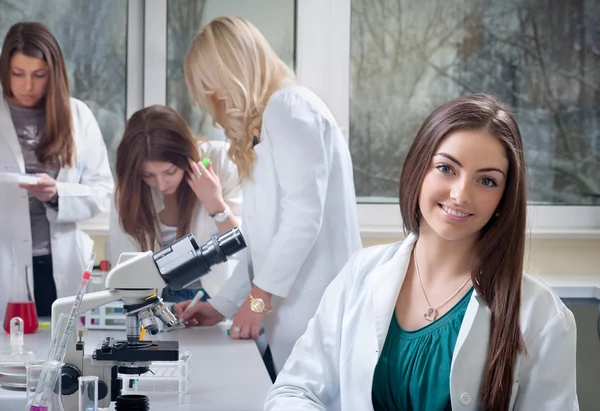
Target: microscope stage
(123,351)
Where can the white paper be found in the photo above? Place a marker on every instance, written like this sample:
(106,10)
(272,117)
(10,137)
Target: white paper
(19,178)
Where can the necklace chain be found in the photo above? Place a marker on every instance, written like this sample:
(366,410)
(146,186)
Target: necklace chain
(432,312)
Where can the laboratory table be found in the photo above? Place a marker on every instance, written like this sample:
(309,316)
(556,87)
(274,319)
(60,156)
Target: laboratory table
(227,375)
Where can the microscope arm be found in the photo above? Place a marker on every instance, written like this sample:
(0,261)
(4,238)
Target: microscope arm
(89,301)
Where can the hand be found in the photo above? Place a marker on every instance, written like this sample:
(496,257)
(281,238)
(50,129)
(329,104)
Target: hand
(44,190)
(206,185)
(200,314)
(246,323)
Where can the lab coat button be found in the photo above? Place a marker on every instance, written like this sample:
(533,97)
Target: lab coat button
(465,398)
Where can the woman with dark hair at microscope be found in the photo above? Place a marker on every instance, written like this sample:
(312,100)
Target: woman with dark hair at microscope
(170,184)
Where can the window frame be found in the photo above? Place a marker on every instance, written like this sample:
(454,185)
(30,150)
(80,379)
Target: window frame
(327,71)
(323,65)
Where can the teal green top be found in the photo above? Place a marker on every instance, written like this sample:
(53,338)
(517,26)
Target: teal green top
(413,371)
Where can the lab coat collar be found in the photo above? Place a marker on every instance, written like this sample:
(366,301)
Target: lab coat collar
(10,134)
(386,282)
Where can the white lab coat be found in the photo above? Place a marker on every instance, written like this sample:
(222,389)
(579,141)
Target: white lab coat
(300,219)
(331,367)
(202,226)
(83,191)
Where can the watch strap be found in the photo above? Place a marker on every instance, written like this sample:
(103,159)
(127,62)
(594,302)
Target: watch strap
(221,216)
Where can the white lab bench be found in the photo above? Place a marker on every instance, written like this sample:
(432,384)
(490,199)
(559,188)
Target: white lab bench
(227,375)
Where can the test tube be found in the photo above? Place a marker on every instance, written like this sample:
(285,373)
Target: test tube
(88,393)
(17,325)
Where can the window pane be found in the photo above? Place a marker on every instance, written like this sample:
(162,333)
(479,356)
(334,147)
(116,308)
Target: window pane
(274,18)
(93,37)
(540,57)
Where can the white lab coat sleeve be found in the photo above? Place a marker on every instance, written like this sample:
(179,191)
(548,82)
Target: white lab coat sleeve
(118,240)
(82,200)
(296,133)
(310,378)
(547,379)
(235,291)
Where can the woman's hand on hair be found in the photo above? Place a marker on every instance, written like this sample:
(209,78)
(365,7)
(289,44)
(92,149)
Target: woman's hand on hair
(206,185)
(45,189)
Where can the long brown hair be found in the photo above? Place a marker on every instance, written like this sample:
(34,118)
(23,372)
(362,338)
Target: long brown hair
(498,265)
(33,39)
(156,133)
(229,57)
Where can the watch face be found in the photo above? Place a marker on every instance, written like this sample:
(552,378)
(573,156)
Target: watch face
(257,305)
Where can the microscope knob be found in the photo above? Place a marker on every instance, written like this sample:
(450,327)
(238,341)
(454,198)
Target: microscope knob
(102,390)
(69,381)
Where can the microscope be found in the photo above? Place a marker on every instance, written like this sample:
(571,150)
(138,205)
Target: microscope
(134,279)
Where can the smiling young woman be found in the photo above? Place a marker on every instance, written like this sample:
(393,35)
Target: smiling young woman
(445,319)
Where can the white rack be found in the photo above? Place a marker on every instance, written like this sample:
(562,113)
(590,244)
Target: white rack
(167,377)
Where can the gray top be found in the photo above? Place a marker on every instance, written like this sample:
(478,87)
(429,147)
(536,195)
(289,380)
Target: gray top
(30,124)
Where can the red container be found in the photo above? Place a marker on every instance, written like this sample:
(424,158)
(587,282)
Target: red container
(26,310)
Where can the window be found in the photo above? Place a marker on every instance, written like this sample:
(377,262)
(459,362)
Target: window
(541,58)
(381,66)
(274,18)
(93,37)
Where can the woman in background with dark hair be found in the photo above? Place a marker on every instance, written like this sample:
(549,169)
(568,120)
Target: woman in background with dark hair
(45,132)
(164,191)
(446,319)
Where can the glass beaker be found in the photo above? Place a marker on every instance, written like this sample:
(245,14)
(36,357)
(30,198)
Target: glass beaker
(20,300)
(54,401)
(88,393)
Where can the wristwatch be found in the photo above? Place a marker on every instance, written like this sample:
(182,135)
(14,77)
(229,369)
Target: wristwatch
(222,216)
(258,305)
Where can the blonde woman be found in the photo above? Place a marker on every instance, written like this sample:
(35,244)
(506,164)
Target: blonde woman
(299,213)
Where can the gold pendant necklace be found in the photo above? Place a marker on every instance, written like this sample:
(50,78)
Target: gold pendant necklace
(432,312)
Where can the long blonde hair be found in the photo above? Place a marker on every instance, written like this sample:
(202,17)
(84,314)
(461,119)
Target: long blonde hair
(231,60)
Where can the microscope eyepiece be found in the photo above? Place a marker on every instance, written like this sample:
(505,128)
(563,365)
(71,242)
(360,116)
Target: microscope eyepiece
(184,262)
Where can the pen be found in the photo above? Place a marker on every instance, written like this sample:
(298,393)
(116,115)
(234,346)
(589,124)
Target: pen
(195,300)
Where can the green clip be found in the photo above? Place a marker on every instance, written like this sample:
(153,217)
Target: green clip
(206,162)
